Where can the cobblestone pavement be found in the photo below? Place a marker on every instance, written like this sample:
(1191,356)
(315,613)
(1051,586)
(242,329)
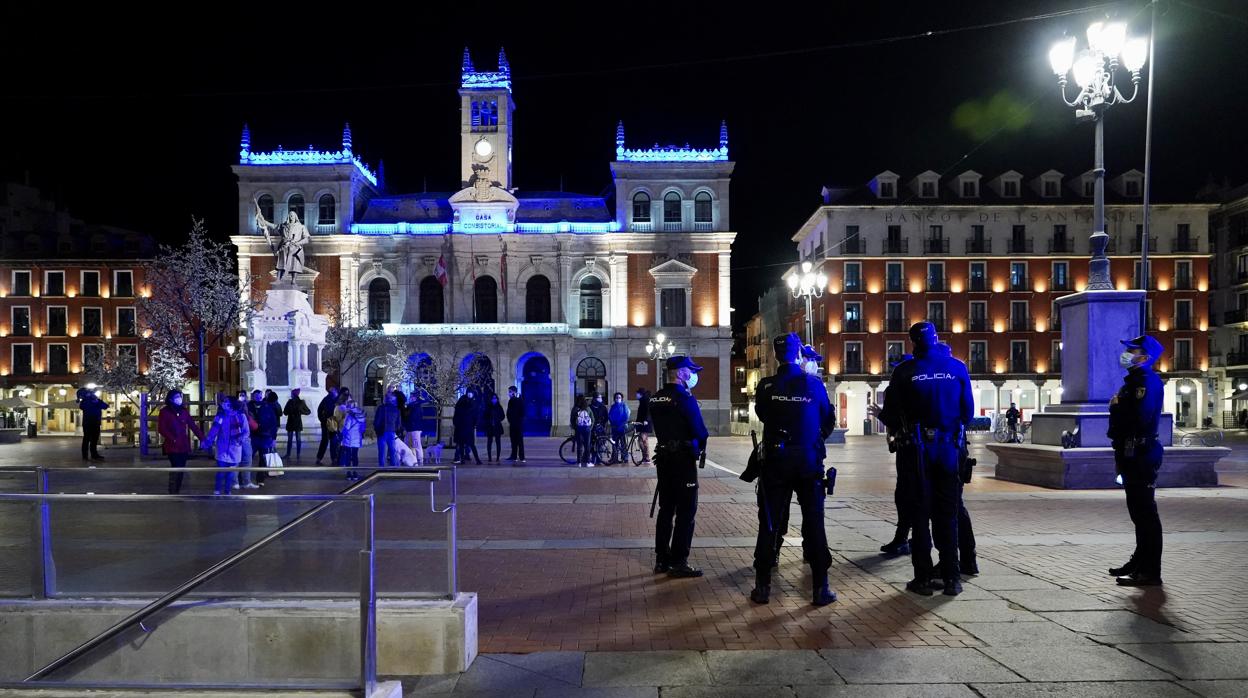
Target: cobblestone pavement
(561,558)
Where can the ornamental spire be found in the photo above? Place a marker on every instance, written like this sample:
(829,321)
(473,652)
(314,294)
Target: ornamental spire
(619,135)
(245,141)
(503,66)
(467,67)
(346,136)
(723,134)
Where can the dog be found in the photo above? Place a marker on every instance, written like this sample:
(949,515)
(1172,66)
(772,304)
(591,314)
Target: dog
(404,454)
(433,454)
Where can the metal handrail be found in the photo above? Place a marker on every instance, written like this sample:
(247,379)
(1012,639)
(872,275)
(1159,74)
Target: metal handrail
(212,572)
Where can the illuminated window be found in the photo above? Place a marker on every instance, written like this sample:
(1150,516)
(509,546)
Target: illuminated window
(326,210)
(591,303)
(21,283)
(379,303)
(671,207)
(90,284)
(641,207)
(702,208)
(54,283)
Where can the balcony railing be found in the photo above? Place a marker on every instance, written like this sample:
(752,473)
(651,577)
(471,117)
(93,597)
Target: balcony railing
(974,246)
(1233,316)
(1022,246)
(1020,366)
(1182,283)
(1236,358)
(895,324)
(642,226)
(1136,246)
(1182,363)
(895,286)
(853,287)
(703,226)
(672,227)
(853,326)
(896,247)
(978,366)
(1059,284)
(1021,324)
(978,285)
(940,285)
(326,228)
(1020,284)
(936,246)
(1183,245)
(978,324)
(1062,245)
(1182,322)
(853,367)
(853,246)
(1152,283)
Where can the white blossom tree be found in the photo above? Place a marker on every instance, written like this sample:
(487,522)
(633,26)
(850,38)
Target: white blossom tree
(347,343)
(166,371)
(113,373)
(194,297)
(439,381)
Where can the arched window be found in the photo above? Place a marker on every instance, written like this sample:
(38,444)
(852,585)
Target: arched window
(591,377)
(326,211)
(641,207)
(266,206)
(431,307)
(537,299)
(671,207)
(374,374)
(378,303)
(702,208)
(591,301)
(295,203)
(485,293)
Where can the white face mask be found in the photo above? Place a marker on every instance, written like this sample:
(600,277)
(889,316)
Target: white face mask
(1126,359)
(811,367)
(692,381)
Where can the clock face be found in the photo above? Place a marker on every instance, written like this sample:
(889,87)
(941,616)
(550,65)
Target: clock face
(483,148)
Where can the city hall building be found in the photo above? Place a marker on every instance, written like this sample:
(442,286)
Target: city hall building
(984,259)
(558,293)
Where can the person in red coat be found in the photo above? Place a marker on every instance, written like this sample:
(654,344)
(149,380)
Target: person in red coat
(174,421)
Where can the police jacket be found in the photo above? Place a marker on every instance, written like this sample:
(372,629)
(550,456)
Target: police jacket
(1135,410)
(677,417)
(932,390)
(796,414)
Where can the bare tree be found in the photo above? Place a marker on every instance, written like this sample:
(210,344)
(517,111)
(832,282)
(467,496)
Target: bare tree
(439,381)
(195,297)
(113,373)
(347,343)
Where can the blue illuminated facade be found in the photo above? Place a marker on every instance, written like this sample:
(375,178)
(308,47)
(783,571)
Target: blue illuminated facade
(672,153)
(498,80)
(311,156)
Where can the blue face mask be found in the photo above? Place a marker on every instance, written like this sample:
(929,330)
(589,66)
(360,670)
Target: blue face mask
(693,381)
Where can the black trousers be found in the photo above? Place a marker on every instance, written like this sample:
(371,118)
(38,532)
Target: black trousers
(902,496)
(935,499)
(465,446)
(178,460)
(329,441)
(493,446)
(678,505)
(90,440)
(516,434)
(1139,478)
(775,491)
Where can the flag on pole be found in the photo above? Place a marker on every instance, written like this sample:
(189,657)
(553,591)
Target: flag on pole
(503,271)
(439,270)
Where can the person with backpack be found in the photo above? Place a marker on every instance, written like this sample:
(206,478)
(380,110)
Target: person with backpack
(268,420)
(350,427)
(492,424)
(619,415)
(174,421)
(582,428)
(294,411)
(246,478)
(329,436)
(229,429)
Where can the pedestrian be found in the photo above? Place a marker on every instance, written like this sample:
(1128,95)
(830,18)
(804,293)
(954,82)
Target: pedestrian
(386,425)
(618,416)
(172,424)
(809,363)
(1133,416)
(515,424)
(268,421)
(968,563)
(93,409)
(464,422)
(246,478)
(329,436)
(681,442)
(1243,418)
(929,405)
(1012,416)
(412,423)
(229,429)
(492,424)
(644,428)
(582,422)
(350,424)
(900,544)
(797,416)
(294,411)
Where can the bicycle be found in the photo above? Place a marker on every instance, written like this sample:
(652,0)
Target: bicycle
(599,448)
(1003,433)
(632,443)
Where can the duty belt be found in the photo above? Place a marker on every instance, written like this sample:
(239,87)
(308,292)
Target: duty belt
(938,435)
(675,445)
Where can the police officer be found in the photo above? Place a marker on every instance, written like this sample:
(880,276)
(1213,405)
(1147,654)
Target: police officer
(797,416)
(930,401)
(681,440)
(1133,416)
(810,365)
(900,544)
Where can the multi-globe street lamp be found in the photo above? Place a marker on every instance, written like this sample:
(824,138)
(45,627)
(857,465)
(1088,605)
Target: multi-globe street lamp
(1095,70)
(808,285)
(659,350)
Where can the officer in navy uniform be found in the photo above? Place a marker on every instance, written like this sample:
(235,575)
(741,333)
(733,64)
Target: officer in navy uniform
(681,440)
(810,364)
(797,416)
(930,401)
(1133,416)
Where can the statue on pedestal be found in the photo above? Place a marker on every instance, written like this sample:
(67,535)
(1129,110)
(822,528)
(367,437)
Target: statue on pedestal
(288,249)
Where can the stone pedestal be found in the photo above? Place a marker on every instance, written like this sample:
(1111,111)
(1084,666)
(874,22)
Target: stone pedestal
(1093,325)
(286,340)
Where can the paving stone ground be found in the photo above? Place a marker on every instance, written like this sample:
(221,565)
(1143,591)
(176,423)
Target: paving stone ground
(561,558)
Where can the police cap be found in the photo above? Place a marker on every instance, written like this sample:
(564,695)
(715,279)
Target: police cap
(788,347)
(681,361)
(923,334)
(1146,344)
(809,353)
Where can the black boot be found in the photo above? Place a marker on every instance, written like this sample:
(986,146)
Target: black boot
(953,586)
(761,593)
(919,586)
(1125,570)
(684,571)
(968,565)
(896,547)
(822,595)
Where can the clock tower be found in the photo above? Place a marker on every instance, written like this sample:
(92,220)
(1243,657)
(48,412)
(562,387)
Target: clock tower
(486,107)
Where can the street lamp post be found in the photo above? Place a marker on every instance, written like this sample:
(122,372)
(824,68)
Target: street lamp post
(659,350)
(1095,71)
(808,285)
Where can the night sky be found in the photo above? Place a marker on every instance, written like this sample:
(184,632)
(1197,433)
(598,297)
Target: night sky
(133,119)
